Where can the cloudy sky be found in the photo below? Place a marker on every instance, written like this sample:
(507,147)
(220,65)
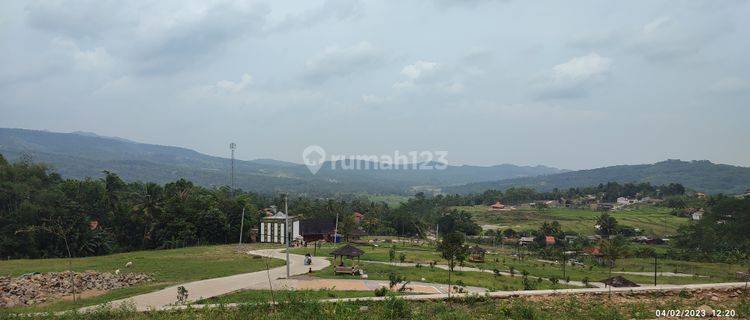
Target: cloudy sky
(569,84)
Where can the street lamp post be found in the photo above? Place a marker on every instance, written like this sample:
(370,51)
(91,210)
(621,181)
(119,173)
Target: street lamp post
(286,229)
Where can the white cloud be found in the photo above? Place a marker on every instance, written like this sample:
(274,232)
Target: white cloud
(420,71)
(336,61)
(234,87)
(416,70)
(582,68)
(96,58)
(573,77)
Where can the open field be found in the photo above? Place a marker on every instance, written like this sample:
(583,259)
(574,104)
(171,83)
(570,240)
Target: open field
(167,267)
(414,253)
(392,201)
(706,272)
(647,218)
(378,271)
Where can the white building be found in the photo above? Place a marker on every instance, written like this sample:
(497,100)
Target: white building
(273,228)
(697,215)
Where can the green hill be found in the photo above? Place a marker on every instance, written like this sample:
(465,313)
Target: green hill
(702,175)
(83,154)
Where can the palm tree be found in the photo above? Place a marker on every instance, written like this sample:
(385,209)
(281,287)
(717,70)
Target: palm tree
(614,249)
(149,206)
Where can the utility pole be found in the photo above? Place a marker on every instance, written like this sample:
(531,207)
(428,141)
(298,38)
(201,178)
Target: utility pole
(656,266)
(336,229)
(242,226)
(232,146)
(286,229)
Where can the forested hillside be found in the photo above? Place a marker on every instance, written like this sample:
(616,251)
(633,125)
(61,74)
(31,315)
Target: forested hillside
(701,176)
(81,155)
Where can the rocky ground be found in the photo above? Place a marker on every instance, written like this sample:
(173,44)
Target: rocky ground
(42,287)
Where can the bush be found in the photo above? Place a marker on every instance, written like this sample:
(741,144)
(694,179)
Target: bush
(496,271)
(381,292)
(402,258)
(182,295)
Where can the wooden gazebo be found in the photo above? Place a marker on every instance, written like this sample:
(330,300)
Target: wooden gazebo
(350,252)
(476,254)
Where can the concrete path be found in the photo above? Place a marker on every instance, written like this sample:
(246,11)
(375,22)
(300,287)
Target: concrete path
(208,288)
(472,269)
(369,285)
(510,294)
(259,280)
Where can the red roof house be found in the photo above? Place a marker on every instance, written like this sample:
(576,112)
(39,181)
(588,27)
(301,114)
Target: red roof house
(497,206)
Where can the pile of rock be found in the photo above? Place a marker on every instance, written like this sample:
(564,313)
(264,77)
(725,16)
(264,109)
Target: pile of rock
(40,287)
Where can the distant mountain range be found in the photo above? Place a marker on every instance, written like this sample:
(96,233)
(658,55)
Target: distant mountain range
(84,154)
(700,175)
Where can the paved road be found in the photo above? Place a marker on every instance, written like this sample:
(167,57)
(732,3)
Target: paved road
(217,286)
(259,280)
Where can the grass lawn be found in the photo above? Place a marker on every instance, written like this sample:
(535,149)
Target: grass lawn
(715,272)
(167,267)
(393,201)
(414,253)
(378,271)
(648,218)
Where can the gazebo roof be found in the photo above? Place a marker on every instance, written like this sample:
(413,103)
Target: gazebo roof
(477,249)
(347,251)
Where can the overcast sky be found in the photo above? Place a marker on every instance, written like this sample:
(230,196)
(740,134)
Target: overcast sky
(571,84)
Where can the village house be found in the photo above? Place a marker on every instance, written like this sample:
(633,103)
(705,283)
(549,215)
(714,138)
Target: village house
(497,206)
(549,240)
(697,215)
(626,201)
(318,229)
(526,241)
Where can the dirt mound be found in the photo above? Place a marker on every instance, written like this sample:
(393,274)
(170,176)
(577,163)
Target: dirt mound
(35,288)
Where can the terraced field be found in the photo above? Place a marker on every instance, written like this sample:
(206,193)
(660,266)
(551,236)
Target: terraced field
(653,220)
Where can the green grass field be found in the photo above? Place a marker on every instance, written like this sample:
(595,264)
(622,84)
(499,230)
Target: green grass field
(377,271)
(710,272)
(393,201)
(414,253)
(167,267)
(647,218)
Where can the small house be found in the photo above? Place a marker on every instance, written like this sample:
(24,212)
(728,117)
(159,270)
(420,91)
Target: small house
(697,215)
(497,206)
(525,241)
(549,240)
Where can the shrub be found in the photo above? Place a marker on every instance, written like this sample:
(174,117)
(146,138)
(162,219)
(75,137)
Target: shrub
(182,295)
(496,271)
(381,292)
(402,258)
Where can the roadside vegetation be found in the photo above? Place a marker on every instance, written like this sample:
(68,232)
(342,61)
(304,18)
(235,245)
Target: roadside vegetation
(575,307)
